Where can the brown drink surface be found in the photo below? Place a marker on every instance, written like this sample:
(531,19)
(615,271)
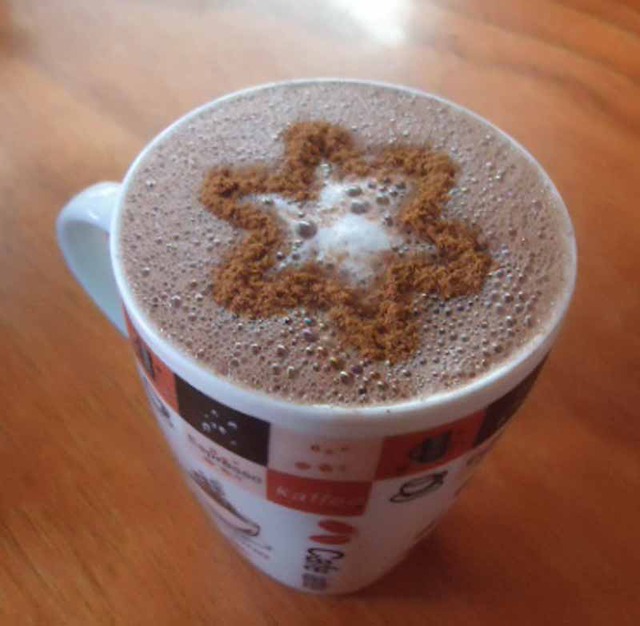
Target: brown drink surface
(178,245)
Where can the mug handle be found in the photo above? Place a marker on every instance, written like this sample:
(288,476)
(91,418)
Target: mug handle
(83,228)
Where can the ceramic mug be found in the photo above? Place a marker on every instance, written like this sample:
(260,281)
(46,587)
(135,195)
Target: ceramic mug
(324,499)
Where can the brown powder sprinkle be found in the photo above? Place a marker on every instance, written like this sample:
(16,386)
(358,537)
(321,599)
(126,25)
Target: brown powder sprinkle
(379,320)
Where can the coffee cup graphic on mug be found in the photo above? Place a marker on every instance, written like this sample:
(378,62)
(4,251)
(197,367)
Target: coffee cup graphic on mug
(335,311)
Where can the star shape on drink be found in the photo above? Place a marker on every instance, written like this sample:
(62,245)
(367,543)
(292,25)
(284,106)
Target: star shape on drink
(357,234)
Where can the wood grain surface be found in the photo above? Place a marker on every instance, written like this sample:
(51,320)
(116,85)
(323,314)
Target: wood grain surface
(96,524)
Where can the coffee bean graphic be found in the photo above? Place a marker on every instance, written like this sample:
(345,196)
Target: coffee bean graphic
(331,540)
(335,526)
(340,533)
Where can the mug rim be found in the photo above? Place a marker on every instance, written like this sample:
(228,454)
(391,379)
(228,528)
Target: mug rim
(445,405)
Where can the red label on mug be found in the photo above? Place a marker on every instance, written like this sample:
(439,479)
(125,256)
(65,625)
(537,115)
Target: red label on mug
(323,497)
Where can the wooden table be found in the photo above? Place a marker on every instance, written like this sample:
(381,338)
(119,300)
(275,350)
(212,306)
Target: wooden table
(96,524)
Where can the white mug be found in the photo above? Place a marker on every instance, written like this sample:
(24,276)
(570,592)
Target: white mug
(322,498)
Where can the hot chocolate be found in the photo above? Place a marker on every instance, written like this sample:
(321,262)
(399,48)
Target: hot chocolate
(344,243)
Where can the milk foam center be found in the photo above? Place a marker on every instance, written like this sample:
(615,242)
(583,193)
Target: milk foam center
(348,229)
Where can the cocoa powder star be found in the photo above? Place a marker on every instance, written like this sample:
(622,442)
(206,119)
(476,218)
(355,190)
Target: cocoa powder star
(378,320)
